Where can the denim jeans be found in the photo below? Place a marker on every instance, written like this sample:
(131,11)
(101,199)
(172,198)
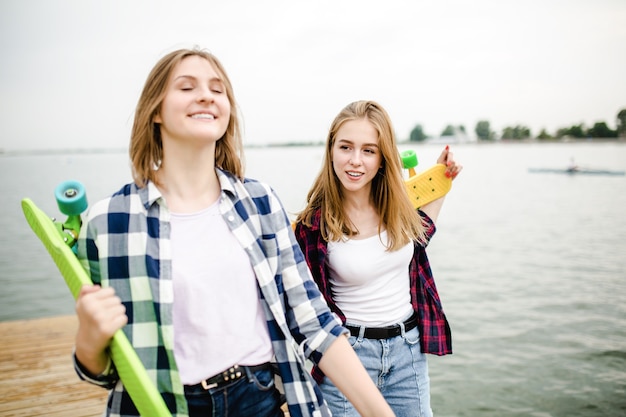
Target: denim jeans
(399,370)
(253,396)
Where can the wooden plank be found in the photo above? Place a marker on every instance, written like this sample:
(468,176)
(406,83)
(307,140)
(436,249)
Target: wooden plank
(38,378)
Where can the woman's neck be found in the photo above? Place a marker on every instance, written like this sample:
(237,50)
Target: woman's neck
(362,214)
(188,180)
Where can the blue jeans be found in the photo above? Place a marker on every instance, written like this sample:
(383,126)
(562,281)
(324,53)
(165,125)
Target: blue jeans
(399,370)
(253,396)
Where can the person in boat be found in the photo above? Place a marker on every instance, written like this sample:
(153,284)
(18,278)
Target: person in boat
(199,266)
(365,245)
(572,167)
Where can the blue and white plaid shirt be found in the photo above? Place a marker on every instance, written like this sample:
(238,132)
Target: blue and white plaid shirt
(125,244)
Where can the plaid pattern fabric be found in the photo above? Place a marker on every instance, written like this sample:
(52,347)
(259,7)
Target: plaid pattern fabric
(125,244)
(435,335)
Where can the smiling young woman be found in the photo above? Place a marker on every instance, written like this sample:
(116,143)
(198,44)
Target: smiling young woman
(200,268)
(365,245)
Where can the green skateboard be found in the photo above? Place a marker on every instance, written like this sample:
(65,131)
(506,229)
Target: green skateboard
(426,186)
(59,239)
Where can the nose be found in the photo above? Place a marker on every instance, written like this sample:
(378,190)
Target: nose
(354,159)
(205,95)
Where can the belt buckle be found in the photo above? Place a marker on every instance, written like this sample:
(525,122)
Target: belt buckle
(232,374)
(207,386)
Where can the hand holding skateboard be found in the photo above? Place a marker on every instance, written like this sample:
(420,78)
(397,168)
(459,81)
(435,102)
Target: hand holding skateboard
(59,239)
(431,184)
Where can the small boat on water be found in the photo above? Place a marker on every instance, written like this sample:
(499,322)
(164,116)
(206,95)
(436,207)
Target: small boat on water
(575,171)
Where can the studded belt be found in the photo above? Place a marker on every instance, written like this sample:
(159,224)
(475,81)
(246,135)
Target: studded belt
(229,376)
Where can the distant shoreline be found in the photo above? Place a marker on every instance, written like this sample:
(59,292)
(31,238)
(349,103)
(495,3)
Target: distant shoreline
(437,141)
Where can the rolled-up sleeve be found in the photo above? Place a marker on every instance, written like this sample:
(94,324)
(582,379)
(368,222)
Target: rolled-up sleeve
(107,379)
(312,324)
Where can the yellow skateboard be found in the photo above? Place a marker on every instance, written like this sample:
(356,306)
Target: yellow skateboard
(59,239)
(426,186)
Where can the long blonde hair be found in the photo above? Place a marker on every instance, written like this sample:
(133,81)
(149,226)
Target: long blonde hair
(388,194)
(146,148)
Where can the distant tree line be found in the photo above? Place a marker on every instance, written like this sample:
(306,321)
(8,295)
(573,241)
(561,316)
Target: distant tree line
(483,131)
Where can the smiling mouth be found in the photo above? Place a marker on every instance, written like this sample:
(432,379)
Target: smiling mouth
(353,174)
(204,116)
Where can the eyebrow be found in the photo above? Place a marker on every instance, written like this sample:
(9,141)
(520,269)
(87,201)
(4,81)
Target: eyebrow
(352,142)
(185,76)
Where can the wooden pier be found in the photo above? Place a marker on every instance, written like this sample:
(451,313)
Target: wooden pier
(36,373)
(37,377)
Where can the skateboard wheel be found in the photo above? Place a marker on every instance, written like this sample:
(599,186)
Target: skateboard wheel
(409,159)
(71,197)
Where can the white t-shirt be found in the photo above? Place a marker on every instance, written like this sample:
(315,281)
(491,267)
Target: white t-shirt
(218,318)
(370,284)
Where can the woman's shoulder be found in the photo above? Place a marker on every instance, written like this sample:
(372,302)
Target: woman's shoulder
(309,220)
(252,182)
(256,186)
(118,201)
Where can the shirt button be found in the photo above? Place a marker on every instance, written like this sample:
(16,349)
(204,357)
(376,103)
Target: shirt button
(231,218)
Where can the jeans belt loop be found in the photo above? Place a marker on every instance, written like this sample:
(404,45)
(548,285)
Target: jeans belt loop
(402,330)
(361,332)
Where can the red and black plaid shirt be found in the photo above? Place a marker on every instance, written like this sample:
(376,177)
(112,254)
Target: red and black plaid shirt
(435,336)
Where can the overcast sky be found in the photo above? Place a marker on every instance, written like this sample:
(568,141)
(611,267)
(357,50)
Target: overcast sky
(71,71)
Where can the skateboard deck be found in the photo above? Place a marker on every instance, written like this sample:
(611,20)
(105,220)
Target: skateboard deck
(428,186)
(129,367)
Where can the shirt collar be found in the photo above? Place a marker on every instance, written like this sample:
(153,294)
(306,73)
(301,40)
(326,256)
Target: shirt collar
(227,181)
(150,194)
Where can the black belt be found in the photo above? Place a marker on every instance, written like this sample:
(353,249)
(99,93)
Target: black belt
(384,332)
(229,376)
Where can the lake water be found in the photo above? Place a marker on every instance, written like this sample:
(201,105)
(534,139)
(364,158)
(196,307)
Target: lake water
(531,267)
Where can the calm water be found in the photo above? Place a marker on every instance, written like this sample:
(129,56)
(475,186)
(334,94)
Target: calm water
(531,268)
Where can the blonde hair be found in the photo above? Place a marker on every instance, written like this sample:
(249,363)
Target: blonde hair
(388,194)
(146,148)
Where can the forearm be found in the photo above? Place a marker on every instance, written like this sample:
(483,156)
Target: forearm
(345,370)
(92,361)
(105,379)
(453,168)
(433,208)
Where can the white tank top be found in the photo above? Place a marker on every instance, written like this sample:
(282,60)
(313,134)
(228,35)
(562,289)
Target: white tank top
(370,284)
(217,315)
